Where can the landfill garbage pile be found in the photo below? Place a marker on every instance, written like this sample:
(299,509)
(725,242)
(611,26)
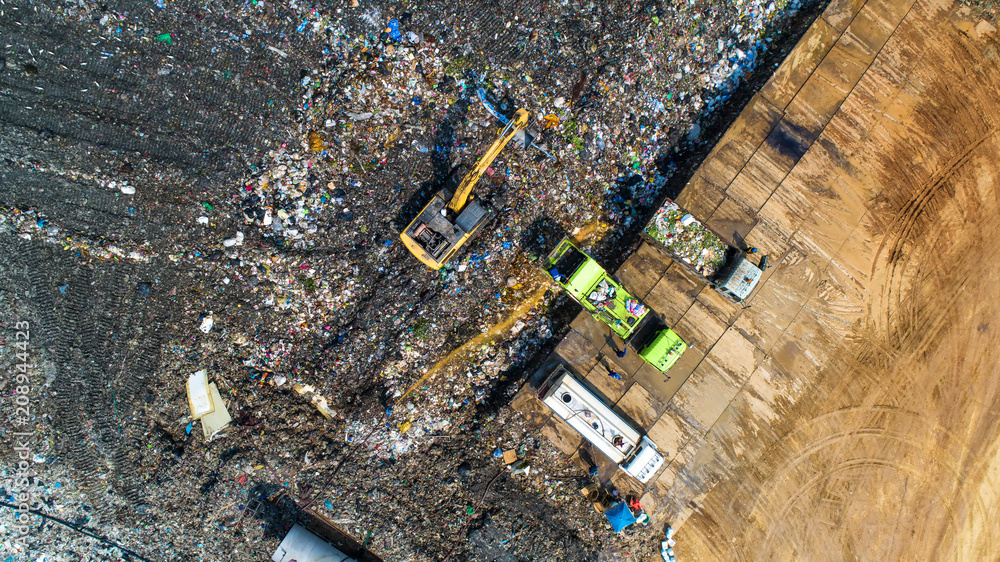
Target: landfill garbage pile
(687,238)
(194,186)
(603,295)
(985,7)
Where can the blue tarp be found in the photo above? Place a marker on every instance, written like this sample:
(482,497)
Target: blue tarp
(620,516)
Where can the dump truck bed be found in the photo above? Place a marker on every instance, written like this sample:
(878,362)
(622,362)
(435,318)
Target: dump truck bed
(702,251)
(590,285)
(627,316)
(687,240)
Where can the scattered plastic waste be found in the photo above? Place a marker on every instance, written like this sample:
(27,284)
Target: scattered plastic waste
(325,121)
(207,323)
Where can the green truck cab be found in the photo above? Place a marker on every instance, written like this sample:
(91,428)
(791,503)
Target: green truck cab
(608,301)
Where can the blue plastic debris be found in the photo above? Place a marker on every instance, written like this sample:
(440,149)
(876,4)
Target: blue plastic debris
(328,504)
(392,28)
(188,430)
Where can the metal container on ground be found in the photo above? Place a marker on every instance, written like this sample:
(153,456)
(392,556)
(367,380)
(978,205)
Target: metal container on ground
(702,251)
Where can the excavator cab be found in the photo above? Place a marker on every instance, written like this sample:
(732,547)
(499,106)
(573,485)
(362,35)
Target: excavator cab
(449,221)
(432,241)
(438,232)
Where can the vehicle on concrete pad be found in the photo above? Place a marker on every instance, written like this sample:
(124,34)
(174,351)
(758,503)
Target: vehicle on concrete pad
(702,251)
(608,301)
(569,399)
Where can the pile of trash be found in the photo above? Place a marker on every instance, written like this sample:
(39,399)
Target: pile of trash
(687,238)
(29,224)
(635,308)
(603,296)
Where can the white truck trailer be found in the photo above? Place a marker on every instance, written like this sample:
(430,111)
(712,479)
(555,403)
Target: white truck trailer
(597,423)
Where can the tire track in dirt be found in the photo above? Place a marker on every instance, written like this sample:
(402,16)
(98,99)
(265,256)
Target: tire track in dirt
(844,441)
(902,227)
(102,360)
(69,385)
(876,356)
(900,468)
(854,465)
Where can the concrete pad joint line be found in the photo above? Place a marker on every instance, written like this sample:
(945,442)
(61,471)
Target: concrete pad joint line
(767,353)
(725,188)
(747,381)
(822,16)
(849,93)
(803,305)
(812,209)
(874,125)
(808,76)
(731,324)
(673,457)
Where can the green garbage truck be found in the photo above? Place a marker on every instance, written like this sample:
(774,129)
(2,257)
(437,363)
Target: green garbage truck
(608,301)
(702,251)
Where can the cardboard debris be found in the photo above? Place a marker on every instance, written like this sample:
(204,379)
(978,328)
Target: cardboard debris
(510,456)
(301,545)
(323,406)
(219,418)
(199,396)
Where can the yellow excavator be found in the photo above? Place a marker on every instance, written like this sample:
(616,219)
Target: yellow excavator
(449,221)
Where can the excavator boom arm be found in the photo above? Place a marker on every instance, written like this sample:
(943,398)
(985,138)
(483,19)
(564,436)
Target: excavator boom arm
(519,122)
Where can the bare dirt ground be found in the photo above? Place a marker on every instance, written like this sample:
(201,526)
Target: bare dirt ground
(891,453)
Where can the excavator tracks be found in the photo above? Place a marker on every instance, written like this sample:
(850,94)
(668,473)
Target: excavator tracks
(99,342)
